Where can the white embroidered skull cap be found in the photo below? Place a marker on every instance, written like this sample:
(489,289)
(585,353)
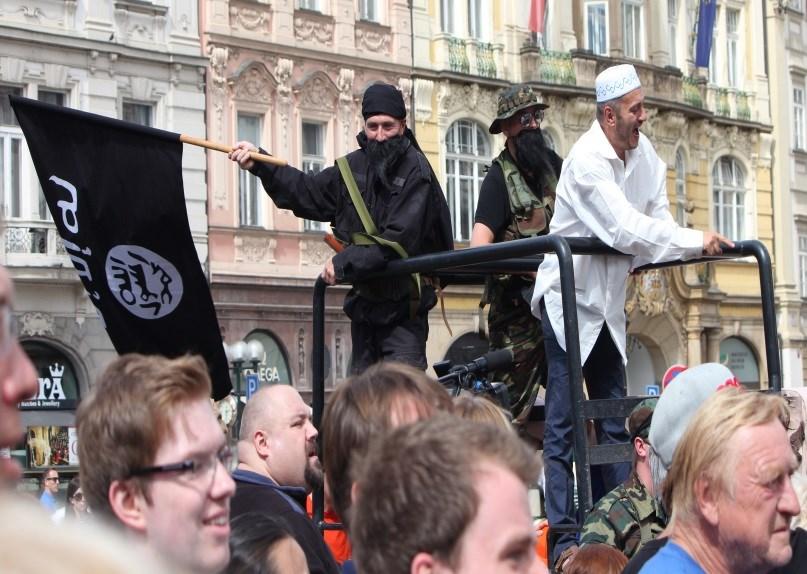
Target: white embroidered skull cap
(615,82)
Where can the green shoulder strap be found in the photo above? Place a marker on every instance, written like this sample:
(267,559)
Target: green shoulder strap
(370,235)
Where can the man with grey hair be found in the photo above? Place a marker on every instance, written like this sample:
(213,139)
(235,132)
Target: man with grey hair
(613,187)
(278,464)
(732,498)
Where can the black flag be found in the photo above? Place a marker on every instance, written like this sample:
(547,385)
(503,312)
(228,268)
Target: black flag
(115,192)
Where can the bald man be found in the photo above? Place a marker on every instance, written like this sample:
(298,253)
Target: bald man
(278,464)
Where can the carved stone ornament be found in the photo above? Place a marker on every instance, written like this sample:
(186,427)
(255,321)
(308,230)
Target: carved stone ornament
(250,18)
(315,252)
(319,93)
(313,28)
(374,39)
(649,292)
(255,84)
(255,249)
(455,99)
(36,324)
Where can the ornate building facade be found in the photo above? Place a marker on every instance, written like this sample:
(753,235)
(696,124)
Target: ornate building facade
(139,61)
(788,73)
(290,76)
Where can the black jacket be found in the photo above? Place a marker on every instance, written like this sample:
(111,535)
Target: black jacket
(414,214)
(273,500)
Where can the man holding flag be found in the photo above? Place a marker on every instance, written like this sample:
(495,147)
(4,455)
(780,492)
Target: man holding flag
(384,202)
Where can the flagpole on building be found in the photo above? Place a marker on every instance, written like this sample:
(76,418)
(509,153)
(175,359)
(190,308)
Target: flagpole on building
(227,149)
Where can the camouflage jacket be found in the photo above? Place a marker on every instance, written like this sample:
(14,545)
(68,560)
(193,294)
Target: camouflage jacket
(625,518)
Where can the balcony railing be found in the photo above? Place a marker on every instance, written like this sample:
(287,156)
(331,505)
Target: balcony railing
(556,68)
(730,103)
(458,56)
(485,61)
(32,243)
(692,93)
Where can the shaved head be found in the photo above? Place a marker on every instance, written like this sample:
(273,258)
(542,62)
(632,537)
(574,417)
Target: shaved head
(278,439)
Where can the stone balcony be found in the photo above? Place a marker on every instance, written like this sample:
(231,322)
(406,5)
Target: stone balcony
(569,71)
(32,244)
(467,56)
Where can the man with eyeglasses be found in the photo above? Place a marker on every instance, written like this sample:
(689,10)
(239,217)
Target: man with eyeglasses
(516,201)
(49,482)
(155,460)
(278,465)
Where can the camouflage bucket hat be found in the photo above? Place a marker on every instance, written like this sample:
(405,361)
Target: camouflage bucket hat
(512,100)
(640,418)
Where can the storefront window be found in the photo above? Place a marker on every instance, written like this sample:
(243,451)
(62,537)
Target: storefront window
(738,356)
(273,368)
(49,415)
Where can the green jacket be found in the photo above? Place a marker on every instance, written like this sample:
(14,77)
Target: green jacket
(625,518)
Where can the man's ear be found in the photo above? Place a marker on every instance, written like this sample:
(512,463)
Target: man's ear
(640,447)
(260,441)
(707,497)
(422,563)
(128,504)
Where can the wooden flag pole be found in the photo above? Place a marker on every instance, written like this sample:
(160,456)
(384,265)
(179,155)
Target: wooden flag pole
(227,149)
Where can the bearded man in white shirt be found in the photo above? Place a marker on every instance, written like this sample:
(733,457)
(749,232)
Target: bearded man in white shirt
(612,186)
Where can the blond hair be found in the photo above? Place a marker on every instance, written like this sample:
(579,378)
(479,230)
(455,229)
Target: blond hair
(705,452)
(482,410)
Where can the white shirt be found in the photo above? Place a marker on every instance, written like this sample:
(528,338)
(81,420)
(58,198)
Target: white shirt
(625,205)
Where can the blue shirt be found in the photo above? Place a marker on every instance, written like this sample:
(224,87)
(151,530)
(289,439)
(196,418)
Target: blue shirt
(47,501)
(672,559)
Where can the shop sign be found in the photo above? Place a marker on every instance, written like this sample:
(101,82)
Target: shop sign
(51,393)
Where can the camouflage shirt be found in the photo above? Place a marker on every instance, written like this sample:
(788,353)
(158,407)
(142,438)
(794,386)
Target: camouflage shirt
(625,518)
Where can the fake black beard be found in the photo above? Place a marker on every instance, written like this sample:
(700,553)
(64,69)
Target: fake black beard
(313,475)
(532,154)
(384,157)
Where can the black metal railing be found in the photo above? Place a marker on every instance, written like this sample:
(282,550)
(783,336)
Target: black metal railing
(514,256)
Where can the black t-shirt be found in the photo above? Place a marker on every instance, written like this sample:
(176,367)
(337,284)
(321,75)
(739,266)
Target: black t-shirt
(493,208)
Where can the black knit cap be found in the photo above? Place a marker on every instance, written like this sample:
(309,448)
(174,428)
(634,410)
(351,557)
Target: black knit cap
(383,99)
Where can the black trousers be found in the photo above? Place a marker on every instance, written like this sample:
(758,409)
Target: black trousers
(404,342)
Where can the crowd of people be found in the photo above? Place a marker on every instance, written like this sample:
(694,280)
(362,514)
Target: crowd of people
(415,481)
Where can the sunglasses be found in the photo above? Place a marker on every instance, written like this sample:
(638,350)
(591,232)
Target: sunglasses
(526,118)
(78,497)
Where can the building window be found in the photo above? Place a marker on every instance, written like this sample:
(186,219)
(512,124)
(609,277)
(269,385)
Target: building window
(309,5)
(313,148)
(672,22)
(249,186)
(632,28)
(732,49)
(741,360)
(447,16)
(713,67)
(137,113)
(729,198)
(798,118)
(368,11)
(467,151)
(597,27)
(803,264)
(475,20)
(55,99)
(796,5)
(680,189)
(10,163)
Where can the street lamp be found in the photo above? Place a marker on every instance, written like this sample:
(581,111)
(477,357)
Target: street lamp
(240,354)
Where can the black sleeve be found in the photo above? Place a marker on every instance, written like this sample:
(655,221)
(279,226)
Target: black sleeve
(493,209)
(310,196)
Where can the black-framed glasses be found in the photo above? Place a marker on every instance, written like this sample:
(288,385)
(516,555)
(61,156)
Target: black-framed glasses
(199,468)
(52,478)
(527,117)
(78,497)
